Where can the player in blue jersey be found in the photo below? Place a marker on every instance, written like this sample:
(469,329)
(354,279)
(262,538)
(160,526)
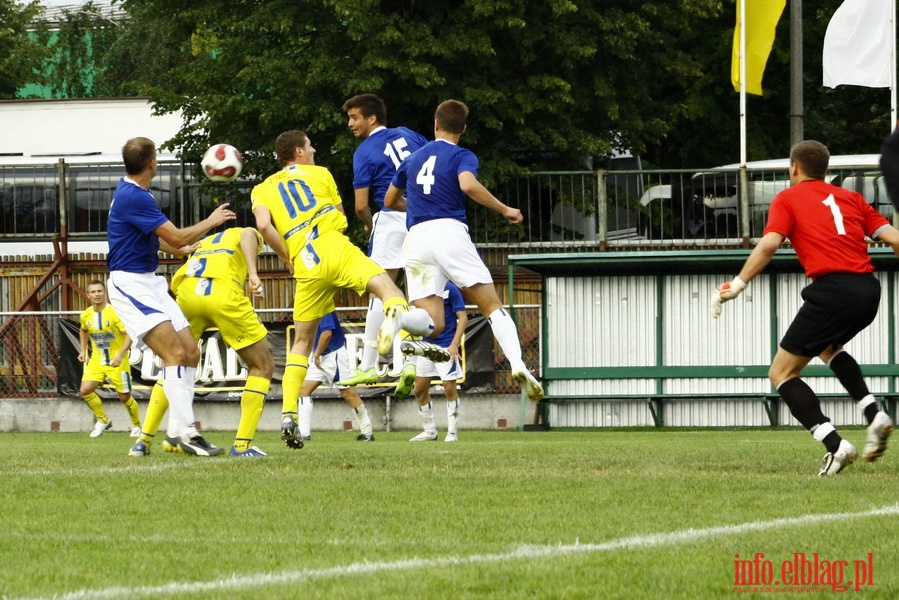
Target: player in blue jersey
(137,231)
(375,161)
(449,372)
(327,364)
(436,179)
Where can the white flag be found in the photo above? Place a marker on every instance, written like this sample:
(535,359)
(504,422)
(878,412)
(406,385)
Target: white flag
(857,45)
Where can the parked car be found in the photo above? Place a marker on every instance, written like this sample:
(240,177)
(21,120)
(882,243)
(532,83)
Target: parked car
(708,205)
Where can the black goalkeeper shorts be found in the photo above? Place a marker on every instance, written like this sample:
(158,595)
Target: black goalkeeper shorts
(837,306)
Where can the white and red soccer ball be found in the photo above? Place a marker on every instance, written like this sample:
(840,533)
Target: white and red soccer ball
(222,163)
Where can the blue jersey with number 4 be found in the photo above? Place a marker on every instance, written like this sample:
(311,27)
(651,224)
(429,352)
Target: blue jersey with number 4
(379,156)
(431,180)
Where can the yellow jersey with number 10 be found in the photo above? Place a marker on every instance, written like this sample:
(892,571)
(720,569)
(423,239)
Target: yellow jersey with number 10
(303,202)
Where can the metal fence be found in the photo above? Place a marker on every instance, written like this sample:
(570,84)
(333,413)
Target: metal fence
(38,198)
(565,211)
(582,211)
(31,344)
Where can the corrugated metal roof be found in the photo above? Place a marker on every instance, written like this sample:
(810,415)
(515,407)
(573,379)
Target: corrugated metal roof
(54,10)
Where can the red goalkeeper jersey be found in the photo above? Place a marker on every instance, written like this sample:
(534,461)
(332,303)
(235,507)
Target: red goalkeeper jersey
(827,226)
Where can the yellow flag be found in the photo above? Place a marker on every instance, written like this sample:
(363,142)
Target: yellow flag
(761,20)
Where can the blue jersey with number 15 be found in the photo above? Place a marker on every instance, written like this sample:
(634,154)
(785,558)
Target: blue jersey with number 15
(379,156)
(431,180)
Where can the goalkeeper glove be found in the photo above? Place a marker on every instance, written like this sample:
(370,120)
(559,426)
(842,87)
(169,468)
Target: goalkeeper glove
(725,292)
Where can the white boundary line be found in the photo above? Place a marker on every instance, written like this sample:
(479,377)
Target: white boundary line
(651,540)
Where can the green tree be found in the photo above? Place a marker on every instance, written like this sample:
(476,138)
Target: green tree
(849,119)
(550,84)
(20,52)
(556,84)
(79,41)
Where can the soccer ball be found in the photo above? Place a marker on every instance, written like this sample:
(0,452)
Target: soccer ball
(222,163)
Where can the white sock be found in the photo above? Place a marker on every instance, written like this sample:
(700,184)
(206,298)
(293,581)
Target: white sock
(190,376)
(506,333)
(452,415)
(304,416)
(417,322)
(822,431)
(427,418)
(864,402)
(364,421)
(373,320)
(181,410)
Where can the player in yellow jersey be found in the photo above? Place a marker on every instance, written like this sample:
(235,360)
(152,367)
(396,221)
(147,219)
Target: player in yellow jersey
(300,215)
(209,288)
(104,332)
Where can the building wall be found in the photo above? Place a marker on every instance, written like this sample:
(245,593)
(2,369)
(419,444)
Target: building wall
(71,127)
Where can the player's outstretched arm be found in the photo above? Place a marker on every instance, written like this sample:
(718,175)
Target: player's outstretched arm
(178,238)
(890,235)
(475,190)
(759,258)
(182,251)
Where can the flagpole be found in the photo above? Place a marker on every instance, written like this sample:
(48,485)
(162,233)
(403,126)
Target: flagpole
(744,179)
(742,17)
(893,65)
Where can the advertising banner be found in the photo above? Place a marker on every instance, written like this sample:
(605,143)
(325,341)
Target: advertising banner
(221,374)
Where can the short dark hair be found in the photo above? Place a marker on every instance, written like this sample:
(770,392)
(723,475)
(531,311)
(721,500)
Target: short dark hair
(287,143)
(368,105)
(96,282)
(812,157)
(137,153)
(452,116)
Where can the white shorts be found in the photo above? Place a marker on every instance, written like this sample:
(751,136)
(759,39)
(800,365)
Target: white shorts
(450,370)
(388,232)
(142,301)
(335,366)
(439,251)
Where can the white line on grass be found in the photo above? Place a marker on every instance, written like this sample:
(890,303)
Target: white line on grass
(651,540)
(138,466)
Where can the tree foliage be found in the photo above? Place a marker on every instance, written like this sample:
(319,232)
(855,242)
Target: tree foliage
(20,52)
(848,119)
(79,42)
(555,84)
(549,84)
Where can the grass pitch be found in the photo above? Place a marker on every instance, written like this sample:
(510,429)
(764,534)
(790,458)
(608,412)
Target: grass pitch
(561,514)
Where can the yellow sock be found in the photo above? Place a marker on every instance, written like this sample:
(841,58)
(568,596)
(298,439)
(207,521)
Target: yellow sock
(131,407)
(96,405)
(396,301)
(155,411)
(251,404)
(294,374)
(401,302)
